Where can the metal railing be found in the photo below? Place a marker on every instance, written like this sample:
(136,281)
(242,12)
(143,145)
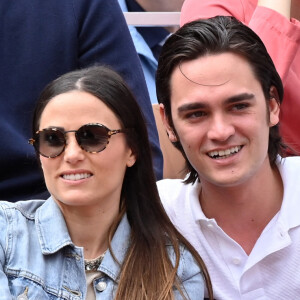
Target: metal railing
(152,18)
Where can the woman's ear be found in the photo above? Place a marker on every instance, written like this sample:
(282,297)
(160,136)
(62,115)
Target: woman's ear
(131,159)
(172,136)
(274,107)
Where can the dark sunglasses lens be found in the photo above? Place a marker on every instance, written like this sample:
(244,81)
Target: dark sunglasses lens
(92,138)
(50,142)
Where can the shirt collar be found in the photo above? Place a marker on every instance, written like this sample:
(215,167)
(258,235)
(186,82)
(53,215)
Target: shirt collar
(289,211)
(195,204)
(288,214)
(53,236)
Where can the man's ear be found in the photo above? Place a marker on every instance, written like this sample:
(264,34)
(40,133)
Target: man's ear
(165,120)
(274,106)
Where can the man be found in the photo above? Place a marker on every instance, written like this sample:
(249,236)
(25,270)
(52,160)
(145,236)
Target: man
(39,41)
(149,40)
(220,100)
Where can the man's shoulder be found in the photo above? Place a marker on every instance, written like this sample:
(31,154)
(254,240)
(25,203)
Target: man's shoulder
(289,160)
(289,169)
(289,164)
(174,193)
(171,186)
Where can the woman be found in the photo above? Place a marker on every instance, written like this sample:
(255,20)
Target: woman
(103,233)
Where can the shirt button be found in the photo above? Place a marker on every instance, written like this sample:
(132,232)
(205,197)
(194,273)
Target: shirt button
(236,261)
(282,234)
(209,225)
(101,286)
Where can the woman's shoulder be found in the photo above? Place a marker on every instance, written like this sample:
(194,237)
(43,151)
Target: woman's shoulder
(188,267)
(27,207)
(17,223)
(189,273)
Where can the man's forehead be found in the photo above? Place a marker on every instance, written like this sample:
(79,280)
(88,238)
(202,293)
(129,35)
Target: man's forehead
(212,79)
(211,69)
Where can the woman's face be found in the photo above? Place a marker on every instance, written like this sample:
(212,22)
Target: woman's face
(76,177)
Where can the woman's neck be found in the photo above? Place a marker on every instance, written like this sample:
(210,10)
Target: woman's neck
(89,227)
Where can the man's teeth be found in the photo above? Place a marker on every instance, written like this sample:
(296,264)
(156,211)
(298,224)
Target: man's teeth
(224,153)
(76,176)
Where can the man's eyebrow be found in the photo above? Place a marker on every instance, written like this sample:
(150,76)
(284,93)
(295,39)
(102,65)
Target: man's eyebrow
(201,105)
(190,106)
(239,97)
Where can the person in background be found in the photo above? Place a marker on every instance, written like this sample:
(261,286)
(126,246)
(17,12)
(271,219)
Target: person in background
(277,24)
(40,41)
(103,233)
(148,40)
(220,98)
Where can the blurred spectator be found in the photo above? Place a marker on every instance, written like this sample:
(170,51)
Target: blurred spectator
(149,40)
(41,40)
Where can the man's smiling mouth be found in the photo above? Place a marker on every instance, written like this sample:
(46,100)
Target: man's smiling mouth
(224,153)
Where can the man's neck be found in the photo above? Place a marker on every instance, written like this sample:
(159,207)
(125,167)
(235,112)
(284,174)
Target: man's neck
(244,211)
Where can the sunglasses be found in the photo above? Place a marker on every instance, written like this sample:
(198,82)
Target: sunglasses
(92,137)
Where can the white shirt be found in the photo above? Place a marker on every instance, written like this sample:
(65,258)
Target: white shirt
(272,270)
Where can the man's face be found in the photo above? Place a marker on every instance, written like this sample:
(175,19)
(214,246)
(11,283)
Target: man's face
(221,118)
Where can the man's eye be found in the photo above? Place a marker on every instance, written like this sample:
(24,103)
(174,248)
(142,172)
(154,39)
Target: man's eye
(195,115)
(240,106)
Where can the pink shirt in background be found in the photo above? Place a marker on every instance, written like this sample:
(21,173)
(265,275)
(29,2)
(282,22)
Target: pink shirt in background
(282,40)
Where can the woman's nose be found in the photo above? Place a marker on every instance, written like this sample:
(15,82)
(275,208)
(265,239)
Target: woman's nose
(73,152)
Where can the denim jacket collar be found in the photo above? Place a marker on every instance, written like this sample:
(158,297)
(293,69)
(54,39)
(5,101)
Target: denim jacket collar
(51,227)
(53,236)
(119,246)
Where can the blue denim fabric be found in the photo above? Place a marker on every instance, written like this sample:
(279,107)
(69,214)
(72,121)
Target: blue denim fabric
(39,260)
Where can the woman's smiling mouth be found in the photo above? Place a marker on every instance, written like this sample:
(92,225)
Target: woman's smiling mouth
(75,177)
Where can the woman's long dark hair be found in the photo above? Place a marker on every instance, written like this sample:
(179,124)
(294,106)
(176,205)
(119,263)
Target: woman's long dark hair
(147,272)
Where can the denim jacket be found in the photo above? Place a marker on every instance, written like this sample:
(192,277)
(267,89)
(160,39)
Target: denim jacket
(39,261)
